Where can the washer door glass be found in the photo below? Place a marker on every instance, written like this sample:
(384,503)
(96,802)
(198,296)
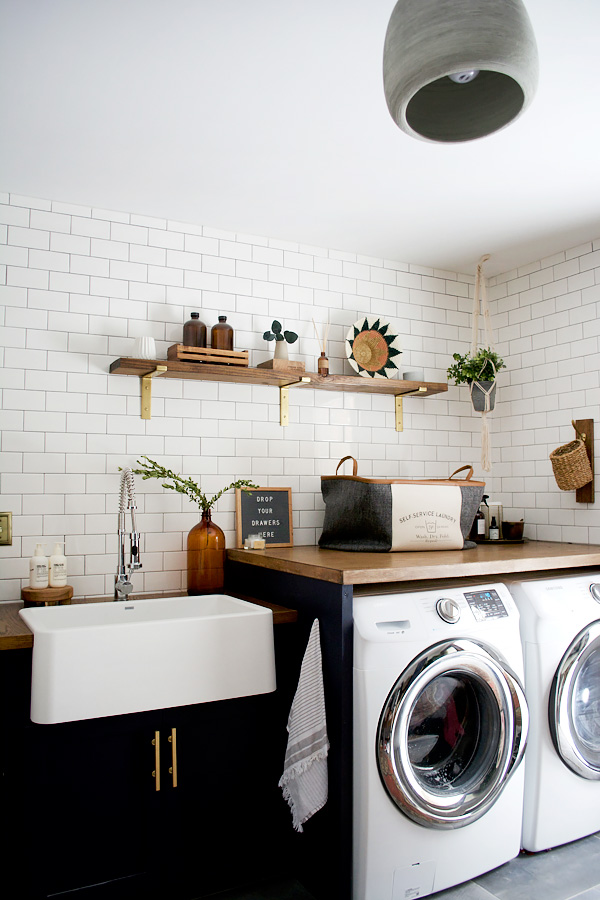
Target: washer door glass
(574,711)
(452,730)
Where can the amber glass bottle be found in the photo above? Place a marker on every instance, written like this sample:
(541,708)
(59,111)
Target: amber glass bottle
(194,332)
(205,557)
(221,335)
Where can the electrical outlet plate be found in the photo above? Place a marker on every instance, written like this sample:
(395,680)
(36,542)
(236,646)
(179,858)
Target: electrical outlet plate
(5,528)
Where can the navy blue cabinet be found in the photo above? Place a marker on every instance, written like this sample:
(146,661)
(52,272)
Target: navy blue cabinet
(322,854)
(82,813)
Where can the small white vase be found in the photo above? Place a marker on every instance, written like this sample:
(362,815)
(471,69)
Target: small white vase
(281,350)
(144,348)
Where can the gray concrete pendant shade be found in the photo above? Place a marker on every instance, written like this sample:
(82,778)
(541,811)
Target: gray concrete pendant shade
(429,40)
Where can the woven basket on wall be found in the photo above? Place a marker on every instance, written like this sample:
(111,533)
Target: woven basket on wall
(571,465)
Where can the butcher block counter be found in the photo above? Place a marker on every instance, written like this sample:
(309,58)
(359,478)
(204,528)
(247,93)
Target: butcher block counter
(485,561)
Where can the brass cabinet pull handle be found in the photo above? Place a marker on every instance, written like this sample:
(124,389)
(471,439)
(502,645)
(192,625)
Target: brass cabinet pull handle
(156,771)
(173,741)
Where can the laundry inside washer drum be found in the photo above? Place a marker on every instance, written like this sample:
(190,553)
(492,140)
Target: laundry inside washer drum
(453,732)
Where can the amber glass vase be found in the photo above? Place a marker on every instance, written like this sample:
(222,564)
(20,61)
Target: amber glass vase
(205,557)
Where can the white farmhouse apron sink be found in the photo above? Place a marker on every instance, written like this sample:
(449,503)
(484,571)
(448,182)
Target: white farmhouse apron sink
(110,658)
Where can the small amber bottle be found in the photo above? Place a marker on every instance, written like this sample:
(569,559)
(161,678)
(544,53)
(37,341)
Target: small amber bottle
(194,332)
(221,335)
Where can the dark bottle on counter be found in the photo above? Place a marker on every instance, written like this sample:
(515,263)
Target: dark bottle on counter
(221,335)
(478,527)
(194,332)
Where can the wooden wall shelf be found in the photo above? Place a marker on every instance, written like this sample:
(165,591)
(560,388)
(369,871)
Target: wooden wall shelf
(146,369)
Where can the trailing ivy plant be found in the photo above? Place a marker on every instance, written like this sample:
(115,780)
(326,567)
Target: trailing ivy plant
(276,334)
(484,366)
(151,469)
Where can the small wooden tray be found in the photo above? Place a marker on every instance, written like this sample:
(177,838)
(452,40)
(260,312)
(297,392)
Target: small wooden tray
(49,596)
(208,355)
(282,365)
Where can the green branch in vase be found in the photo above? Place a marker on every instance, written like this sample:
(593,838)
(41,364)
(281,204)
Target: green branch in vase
(151,469)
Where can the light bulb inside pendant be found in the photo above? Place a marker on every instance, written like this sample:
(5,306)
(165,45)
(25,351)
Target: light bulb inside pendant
(464,77)
(457,70)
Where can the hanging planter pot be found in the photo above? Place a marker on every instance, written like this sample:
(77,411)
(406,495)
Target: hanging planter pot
(479,367)
(483,395)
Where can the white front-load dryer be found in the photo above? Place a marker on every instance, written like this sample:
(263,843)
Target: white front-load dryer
(440,724)
(560,629)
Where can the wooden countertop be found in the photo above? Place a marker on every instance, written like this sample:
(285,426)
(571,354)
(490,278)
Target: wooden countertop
(483,561)
(15,635)
(361,569)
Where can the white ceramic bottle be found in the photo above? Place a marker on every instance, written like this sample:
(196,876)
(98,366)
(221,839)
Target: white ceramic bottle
(38,569)
(57,571)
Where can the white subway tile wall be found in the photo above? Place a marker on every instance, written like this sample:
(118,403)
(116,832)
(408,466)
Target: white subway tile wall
(547,323)
(78,285)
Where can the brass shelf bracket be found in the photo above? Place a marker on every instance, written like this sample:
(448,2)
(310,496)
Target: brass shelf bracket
(284,399)
(399,409)
(146,388)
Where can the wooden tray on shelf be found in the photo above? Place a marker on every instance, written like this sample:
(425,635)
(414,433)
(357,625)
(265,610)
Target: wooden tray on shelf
(208,355)
(522,540)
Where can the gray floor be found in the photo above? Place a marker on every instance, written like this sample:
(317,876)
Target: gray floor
(564,873)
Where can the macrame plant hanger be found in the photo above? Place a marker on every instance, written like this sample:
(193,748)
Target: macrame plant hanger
(481,306)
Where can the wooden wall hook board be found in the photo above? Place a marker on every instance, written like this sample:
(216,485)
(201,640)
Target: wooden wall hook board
(585,430)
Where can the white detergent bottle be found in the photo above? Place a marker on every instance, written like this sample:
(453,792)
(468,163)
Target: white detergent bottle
(57,572)
(38,569)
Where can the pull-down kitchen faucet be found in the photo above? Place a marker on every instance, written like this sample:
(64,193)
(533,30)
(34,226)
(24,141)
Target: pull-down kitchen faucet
(123,585)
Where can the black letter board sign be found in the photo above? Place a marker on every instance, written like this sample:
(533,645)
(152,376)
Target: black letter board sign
(266,512)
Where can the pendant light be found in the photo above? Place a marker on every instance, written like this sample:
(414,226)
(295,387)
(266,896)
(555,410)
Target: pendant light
(456,70)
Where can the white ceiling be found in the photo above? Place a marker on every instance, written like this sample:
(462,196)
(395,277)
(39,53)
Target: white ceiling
(268,117)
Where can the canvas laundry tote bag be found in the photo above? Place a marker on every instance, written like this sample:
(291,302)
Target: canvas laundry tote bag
(378,514)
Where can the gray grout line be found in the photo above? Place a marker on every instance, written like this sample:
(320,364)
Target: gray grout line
(594,887)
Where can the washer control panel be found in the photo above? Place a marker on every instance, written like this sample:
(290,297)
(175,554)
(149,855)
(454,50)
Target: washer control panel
(486,605)
(448,610)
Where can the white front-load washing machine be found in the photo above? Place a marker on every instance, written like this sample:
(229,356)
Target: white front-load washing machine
(560,630)
(440,725)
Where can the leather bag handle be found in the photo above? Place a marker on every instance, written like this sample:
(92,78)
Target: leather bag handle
(462,469)
(354,465)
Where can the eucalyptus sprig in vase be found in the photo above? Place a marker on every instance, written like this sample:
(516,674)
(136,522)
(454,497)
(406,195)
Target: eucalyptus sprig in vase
(206,541)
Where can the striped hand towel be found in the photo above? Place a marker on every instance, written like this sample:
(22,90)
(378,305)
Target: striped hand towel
(304,780)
